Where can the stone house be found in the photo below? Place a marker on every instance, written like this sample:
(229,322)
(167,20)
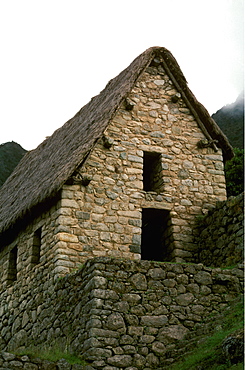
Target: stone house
(125,177)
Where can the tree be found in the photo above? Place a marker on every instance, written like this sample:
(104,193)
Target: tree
(234,173)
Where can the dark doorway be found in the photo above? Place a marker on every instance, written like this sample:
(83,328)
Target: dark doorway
(154,231)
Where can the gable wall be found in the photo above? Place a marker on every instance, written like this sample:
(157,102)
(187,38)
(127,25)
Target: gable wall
(104,218)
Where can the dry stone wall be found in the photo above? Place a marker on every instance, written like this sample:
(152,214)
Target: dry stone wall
(28,259)
(104,218)
(118,314)
(10,361)
(221,234)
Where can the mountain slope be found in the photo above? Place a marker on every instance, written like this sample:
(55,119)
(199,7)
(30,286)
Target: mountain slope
(230,119)
(218,344)
(10,155)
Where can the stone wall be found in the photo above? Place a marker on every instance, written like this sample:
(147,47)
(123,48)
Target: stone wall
(116,313)
(31,255)
(221,234)
(104,218)
(10,361)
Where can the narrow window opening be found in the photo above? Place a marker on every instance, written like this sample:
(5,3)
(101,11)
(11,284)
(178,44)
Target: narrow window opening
(154,237)
(12,267)
(36,246)
(152,171)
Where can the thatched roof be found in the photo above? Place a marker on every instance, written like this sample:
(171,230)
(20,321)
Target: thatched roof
(43,171)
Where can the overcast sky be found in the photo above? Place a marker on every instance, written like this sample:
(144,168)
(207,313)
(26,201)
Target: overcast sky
(57,54)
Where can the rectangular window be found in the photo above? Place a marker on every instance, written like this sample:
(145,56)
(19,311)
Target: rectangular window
(12,265)
(36,246)
(152,172)
(154,236)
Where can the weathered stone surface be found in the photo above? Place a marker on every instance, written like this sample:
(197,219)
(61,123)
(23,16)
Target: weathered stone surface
(203,278)
(173,333)
(159,348)
(29,366)
(233,347)
(139,281)
(154,321)
(220,246)
(63,365)
(115,321)
(157,273)
(19,339)
(185,299)
(120,360)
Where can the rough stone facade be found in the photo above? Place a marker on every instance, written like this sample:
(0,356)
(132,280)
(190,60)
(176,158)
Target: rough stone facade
(221,234)
(119,313)
(133,200)
(27,257)
(9,361)
(148,159)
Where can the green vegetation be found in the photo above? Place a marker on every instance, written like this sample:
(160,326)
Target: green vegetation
(208,354)
(53,354)
(230,119)
(234,173)
(10,155)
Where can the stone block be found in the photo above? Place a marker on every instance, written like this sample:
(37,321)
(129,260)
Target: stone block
(83,215)
(203,278)
(135,330)
(185,299)
(154,321)
(65,237)
(69,203)
(120,360)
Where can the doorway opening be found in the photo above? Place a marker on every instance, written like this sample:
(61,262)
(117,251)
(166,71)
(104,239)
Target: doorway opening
(155,234)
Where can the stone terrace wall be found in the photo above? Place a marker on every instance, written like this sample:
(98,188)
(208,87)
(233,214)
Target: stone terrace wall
(117,313)
(221,234)
(9,361)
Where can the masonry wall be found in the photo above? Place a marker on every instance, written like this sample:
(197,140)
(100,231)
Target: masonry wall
(116,312)
(221,234)
(31,257)
(10,361)
(104,218)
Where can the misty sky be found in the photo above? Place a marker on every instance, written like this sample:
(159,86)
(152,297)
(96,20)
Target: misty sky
(56,54)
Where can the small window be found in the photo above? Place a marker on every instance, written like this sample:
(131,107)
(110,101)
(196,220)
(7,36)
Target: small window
(12,266)
(154,236)
(152,172)
(36,246)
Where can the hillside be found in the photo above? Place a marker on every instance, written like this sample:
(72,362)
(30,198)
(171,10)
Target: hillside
(230,119)
(222,348)
(10,155)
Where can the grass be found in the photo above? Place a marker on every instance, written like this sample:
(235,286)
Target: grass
(208,355)
(51,354)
